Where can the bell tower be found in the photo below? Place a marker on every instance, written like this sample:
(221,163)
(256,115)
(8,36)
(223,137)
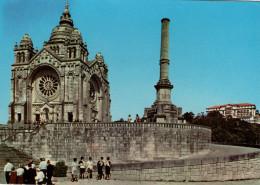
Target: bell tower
(25,51)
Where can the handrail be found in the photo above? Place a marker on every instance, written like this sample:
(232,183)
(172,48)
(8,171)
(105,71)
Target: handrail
(14,135)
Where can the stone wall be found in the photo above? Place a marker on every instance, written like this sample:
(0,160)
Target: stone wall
(234,167)
(123,142)
(5,133)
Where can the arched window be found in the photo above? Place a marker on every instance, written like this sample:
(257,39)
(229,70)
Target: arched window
(22,57)
(69,52)
(74,49)
(18,57)
(82,55)
(46,113)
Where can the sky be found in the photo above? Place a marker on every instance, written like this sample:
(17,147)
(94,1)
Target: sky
(214,48)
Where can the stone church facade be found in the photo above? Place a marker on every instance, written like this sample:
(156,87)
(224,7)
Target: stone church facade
(58,83)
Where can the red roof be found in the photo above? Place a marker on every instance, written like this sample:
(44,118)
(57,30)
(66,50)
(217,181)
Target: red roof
(216,106)
(231,104)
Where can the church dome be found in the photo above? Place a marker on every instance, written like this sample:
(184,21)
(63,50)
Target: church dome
(76,35)
(26,41)
(63,31)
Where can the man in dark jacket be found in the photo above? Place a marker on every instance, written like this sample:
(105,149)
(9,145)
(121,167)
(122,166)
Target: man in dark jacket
(49,172)
(25,175)
(31,172)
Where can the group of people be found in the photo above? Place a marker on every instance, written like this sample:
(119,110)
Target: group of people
(40,123)
(82,166)
(29,174)
(137,118)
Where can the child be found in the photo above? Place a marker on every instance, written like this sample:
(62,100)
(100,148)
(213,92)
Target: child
(107,168)
(74,170)
(100,165)
(82,168)
(13,176)
(40,177)
(89,168)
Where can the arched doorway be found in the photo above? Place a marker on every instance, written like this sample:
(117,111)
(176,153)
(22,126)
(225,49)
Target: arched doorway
(95,98)
(46,114)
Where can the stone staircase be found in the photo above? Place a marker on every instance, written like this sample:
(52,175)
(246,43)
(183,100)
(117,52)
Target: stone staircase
(14,155)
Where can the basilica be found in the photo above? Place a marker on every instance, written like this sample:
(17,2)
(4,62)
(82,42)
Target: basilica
(58,83)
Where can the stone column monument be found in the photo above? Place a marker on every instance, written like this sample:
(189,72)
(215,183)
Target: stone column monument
(164,86)
(163,111)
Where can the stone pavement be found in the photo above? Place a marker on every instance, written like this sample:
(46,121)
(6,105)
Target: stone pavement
(217,151)
(118,182)
(66,181)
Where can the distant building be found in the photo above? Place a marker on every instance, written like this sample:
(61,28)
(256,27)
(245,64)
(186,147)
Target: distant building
(257,118)
(243,111)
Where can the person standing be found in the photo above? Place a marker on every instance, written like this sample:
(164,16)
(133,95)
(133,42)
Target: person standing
(20,174)
(25,175)
(107,168)
(40,177)
(32,164)
(13,176)
(43,167)
(74,170)
(49,172)
(137,118)
(7,169)
(100,165)
(81,168)
(31,172)
(89,166)
(129,118)
(27,167)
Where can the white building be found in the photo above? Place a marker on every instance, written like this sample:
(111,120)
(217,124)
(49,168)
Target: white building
(243,111)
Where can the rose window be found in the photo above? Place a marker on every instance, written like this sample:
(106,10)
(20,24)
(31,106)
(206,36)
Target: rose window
(48,85)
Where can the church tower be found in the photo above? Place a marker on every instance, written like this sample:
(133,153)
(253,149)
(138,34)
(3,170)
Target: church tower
(25,51)
(59,83)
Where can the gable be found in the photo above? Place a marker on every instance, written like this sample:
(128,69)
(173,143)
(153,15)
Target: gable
(45,56)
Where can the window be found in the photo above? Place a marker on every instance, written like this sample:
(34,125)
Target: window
(19,115)
(37,117)
(70,116)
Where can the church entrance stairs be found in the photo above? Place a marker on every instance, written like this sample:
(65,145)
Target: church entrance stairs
(15,156)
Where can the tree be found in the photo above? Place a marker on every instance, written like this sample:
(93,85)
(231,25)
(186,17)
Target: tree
(60,169)
(231,130)
(188,116)
(214,114)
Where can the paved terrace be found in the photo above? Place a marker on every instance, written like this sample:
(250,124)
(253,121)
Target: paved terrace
(217,151)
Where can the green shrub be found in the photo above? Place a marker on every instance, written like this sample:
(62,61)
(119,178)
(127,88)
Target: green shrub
(60,169)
